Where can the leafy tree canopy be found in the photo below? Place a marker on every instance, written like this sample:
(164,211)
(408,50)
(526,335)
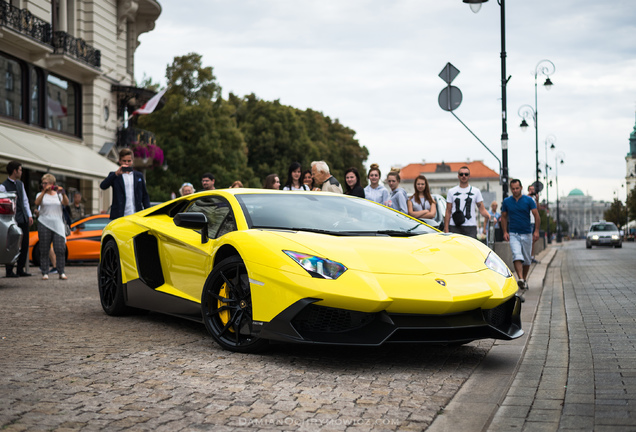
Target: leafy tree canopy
(241,138)
(196,132)
(617,213)
(278,135)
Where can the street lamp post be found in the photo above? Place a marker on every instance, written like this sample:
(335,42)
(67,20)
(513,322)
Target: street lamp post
(545,68)
(549,139)
(475,5)
(558,158)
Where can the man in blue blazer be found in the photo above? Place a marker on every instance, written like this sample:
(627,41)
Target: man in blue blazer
(129,187)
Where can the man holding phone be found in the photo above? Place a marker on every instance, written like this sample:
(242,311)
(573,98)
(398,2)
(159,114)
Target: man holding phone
(129,187)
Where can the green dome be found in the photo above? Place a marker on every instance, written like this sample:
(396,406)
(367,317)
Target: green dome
(576,192)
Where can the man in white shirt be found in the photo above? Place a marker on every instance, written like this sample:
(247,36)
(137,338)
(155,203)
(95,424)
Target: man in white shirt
(129,187)
(463,202)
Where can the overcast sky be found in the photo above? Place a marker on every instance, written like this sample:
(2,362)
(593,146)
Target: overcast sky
(374,65)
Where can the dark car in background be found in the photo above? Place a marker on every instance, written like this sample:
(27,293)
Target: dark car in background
(10,233)
(603,233)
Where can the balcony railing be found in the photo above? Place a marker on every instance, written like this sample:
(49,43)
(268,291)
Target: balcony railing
(76,47)
(132,137)
(23,21)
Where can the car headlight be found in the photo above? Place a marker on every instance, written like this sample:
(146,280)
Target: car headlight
(316,266)
(595,237)
(614,237)
(496,264)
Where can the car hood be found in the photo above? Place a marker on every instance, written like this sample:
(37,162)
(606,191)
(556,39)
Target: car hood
(440,253)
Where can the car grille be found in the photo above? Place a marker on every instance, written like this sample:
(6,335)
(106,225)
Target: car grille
(315,318)
(499,317)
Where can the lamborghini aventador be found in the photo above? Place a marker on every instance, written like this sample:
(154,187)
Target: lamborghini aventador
(256,266)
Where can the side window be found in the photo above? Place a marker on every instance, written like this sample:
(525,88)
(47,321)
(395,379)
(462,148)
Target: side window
(95,224)
(218,212)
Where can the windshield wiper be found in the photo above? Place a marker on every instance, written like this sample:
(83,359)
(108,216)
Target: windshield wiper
(397,233)
(313,230)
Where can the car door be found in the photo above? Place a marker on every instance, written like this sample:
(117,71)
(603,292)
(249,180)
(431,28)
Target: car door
(85,239)
(186,260)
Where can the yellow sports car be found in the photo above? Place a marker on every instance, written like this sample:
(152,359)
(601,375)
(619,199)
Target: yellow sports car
(259,265)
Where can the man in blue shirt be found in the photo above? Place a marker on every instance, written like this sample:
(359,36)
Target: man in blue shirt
(515,223)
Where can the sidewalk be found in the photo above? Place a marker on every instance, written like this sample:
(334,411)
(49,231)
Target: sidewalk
(484,399)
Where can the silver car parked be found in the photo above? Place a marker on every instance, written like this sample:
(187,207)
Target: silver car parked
(438,220)
(10,233)
(603,234)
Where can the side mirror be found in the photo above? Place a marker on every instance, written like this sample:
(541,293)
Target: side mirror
(197,221)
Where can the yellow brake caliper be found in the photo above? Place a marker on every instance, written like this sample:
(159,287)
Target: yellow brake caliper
(224,315)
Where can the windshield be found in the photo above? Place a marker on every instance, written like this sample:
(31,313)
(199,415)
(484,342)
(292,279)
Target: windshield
(604,227)
(337,215)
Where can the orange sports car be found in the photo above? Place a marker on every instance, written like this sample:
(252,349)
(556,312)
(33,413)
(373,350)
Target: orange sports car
(82,244)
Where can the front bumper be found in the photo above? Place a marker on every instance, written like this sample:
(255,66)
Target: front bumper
(306,322)
(604,241)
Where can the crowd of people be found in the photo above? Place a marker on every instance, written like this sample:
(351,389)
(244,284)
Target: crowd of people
(319,178)
(517,223)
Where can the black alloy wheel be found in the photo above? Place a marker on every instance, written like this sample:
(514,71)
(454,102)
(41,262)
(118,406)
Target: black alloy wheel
(111,289)
(226,307)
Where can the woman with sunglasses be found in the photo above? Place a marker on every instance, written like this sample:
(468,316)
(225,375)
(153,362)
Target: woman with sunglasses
(51,223)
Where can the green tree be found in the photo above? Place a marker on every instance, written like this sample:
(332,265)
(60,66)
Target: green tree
(242,138)
(278,135)
(617,213)
(148,83)
(196,131)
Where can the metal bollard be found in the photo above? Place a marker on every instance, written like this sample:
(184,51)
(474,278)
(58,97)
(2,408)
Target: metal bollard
(490,234)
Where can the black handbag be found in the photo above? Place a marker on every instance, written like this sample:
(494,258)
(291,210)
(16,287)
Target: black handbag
(458,216)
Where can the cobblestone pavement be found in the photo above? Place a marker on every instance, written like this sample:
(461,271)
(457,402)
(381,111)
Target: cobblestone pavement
(68,366)
(579,370)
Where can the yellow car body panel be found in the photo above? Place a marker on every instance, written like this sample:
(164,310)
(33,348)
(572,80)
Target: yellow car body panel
(426,275)
(374,281)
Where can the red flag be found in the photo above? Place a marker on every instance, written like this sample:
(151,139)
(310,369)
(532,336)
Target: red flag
(149,106)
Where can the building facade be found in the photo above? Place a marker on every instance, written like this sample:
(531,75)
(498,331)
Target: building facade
(630,164)
(579,211)
(66,83)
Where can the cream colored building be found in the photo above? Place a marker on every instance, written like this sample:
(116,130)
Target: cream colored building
(630,165)
(66,81)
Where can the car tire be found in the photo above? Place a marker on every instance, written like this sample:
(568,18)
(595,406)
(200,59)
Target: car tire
(587,245)
(226,303)
(111,289)
(618,246)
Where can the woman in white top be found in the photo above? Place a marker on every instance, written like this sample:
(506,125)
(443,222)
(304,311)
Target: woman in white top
(374,191)
(51,225)
(293,178)
(421,204)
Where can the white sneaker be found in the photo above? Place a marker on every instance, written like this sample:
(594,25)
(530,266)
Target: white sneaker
(45,277)
(63,276)
(522,284)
